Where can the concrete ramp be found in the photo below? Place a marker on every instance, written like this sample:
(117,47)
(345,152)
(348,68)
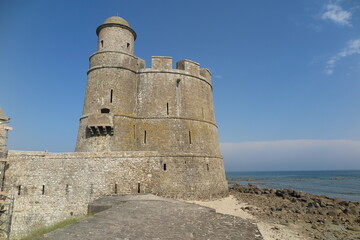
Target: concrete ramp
(151,217)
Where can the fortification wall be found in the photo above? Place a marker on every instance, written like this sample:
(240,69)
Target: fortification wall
(50,187)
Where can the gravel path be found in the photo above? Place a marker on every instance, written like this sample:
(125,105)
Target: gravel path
(152,217)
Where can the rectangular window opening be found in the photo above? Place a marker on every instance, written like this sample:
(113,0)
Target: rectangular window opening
(144,136)
(43,190)
(19,190)
(134,132)
(164,166)
(67,188)
(111,96)
(138,187)
(128,45)
(167,108)
(190,137)
(115,189)
(207,167)
(102,43)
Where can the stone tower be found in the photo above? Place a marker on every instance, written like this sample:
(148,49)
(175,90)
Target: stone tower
(129,107)
(169,111)
(110,102)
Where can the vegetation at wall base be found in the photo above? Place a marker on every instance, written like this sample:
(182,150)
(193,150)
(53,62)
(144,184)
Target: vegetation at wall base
(40,232)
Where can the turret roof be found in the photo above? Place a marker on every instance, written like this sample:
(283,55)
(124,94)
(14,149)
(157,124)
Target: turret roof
(117,20)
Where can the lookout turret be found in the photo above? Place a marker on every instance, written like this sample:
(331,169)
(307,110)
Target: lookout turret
(111,95)
(115,34)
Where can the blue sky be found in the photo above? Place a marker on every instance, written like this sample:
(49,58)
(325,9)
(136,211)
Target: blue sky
(286,74)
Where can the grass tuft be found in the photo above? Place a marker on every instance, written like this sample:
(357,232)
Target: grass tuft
(40,232)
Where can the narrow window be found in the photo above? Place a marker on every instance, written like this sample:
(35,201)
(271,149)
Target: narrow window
(190,137)
(207,167)
(128,45)
(164,166)
(138,187)
(144,136)
(111,95)
(178,97)
(102,43)
(134,132)
(43,190)
(19,190)
(105,110)
(115,189)
(67,189)
(167,108)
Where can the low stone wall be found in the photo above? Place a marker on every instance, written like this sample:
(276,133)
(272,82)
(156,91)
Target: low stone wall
(50,187)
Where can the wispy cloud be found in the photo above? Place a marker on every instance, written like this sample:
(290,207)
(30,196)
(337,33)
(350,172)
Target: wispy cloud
(352,47)
(292,155)
(335,13)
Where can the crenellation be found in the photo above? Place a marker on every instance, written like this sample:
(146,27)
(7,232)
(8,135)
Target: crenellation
(161,63)
(141,63)
(190,66)
(204,72)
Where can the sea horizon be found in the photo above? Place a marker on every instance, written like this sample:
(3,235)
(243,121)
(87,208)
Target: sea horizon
(343,184)
(331,170)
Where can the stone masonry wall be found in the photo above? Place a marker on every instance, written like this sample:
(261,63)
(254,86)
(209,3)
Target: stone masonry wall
(50,187)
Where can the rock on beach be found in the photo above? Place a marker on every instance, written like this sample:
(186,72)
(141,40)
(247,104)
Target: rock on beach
(320,217)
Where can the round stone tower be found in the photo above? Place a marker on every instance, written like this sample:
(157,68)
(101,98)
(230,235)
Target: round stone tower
(163,110)
(129,107)
(110,98)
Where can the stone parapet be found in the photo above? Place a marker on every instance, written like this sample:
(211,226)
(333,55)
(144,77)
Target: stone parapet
(114,59)
(184,67)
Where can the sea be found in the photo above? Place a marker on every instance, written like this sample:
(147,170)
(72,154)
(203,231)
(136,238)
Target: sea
(335,184)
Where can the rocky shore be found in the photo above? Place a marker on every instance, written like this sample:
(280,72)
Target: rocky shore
(318,217)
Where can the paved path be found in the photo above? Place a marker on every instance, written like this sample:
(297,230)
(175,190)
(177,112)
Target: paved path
(136,217)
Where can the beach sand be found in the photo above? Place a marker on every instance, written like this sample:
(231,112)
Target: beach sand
(270,231)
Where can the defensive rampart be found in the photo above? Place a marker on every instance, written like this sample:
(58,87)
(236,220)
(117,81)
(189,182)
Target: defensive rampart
(50,187)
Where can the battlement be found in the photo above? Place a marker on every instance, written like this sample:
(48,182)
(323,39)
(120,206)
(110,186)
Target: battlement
(165,63)
(161,63)
(189,66)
